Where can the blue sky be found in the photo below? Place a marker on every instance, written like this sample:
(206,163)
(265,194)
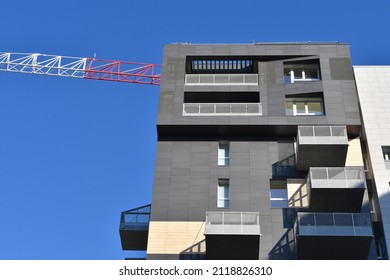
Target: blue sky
(74,153)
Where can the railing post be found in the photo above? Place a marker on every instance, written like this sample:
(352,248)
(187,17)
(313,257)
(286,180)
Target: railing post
(241,223)
(223,221)
(314,135)
(334,223)
(353,224)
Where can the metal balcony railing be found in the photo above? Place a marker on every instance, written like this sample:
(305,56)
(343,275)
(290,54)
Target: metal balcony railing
(334,224)
(221,79)
(231,223)
(322,135)
(286,168)
(136,219)
(222,109)
(336,177)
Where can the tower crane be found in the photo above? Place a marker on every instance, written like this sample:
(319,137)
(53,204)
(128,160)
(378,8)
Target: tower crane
(78,67)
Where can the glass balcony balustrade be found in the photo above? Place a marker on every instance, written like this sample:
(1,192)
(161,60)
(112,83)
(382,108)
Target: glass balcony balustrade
(136,219)
(334,224)
(322,135)
(336,177)
(232,223)
(221,79)
(222,109)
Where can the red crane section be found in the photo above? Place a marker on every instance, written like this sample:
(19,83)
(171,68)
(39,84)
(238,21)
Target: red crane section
(120,71)
(78,67)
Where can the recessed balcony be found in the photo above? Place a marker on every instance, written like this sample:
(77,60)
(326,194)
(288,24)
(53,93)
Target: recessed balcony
(134,228)
(328,236)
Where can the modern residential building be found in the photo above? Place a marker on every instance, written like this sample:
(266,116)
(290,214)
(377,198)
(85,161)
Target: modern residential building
(259,156)
(373,84)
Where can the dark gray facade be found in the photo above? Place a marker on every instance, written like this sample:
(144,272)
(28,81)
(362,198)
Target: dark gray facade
(256,98)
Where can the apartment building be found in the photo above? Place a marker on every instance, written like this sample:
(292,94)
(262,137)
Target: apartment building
(259,156)
(373,84)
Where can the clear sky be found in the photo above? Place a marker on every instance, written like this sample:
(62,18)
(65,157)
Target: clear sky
(74,153)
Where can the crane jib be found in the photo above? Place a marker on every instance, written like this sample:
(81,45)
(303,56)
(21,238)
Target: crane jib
(77,67)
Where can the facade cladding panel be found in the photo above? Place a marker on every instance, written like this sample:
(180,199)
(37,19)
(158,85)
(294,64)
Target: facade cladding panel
(294,85)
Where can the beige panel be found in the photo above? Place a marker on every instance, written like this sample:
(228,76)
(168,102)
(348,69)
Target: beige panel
(354,154)
(297,193)
(176,237)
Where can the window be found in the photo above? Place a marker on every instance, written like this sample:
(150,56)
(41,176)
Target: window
(223,153)
(301,72)
(278,198)
(278,193)
(223,193)
(304,107)
(386,153)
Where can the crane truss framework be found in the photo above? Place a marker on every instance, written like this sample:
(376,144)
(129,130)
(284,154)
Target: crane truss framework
(77,67)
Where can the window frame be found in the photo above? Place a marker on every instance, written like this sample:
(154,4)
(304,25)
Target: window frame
(225,200)
(386,153)
(223,153)
(278,198)
(297,72)
(305,102)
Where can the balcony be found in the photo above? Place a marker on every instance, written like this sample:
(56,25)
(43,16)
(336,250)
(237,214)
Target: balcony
(321,146)
(222,109)
(286,168)
(328,236)
(134,228)
(232,235)
(233,223)
(336,189)
(221,80)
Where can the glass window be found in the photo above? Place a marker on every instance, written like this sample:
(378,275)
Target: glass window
(223,193)
(315,108)
(304,106)
(301,72)
(300,107)
(223,153)
(279,198)
(289,108)
(311,72)
(386,153)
